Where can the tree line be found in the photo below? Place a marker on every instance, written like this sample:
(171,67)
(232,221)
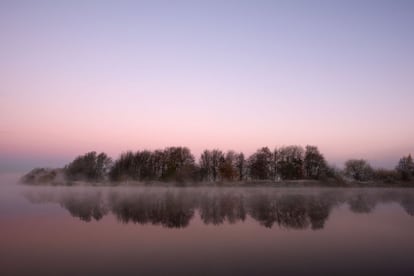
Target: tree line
(178,164)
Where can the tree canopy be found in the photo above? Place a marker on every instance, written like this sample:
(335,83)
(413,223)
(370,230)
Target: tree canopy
(178,164)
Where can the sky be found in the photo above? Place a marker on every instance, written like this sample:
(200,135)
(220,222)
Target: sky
(112,76)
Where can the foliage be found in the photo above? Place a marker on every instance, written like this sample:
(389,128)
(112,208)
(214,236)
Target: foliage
(315,165)
(90,166)
(405,167)
(171,164)
(358,169)
(178,164)
(386,176)
(260,164)
(41,176)
(290,162)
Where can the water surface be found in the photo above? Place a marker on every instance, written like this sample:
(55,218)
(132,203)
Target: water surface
(205,231)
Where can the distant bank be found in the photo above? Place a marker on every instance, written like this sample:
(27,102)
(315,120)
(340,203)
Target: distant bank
(285,166)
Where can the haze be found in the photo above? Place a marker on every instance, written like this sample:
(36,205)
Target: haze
(112,76)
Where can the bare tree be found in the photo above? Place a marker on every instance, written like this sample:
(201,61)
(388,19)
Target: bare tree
(314,163)
(89,166)
(260,164)
(290,162)
(358,169)
(206,165)
(241,166)
(405,167)
(177,160)
(228,167)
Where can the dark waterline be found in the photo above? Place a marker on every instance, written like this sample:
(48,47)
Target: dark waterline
(202,231)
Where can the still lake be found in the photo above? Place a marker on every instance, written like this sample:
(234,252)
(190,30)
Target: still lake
(204,231)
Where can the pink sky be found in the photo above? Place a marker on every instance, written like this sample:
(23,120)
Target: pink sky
(79,77)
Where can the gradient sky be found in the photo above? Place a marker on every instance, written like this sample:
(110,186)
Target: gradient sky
(110,76)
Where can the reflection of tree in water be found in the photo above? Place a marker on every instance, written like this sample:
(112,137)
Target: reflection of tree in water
(177,211)
(319,208)
(263,209)
(85,206)
(215,209)
(175,208)
(408,204)
(290,211)
(170,210)
(362,203)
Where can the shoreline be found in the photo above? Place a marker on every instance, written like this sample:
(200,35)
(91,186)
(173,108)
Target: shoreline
(236,184)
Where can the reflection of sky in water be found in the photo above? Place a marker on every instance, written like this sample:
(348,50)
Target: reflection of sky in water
(193,231)
(176,207)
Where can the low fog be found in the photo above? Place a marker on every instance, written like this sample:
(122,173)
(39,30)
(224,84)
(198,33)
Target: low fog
(301,208)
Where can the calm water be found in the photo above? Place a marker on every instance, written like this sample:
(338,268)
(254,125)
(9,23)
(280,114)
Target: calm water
(204,231)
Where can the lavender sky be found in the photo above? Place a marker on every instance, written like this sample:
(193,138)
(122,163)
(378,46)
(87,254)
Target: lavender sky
(110,76)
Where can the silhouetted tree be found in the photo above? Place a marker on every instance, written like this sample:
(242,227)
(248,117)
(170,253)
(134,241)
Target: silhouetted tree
(158,163)
(210,163)
(228,167)
(178,164)
(124,167)
(260,164)
(358,169)
(290,162)
(274,165)
(314,163)
(173,163)
(89,166)
(177,160)
(42,176)
(387,176)
(144,165)
(206,166)
(405,167)
(241,166)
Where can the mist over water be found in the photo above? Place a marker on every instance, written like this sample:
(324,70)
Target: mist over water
(207,138)
(297,208)
(204,231)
